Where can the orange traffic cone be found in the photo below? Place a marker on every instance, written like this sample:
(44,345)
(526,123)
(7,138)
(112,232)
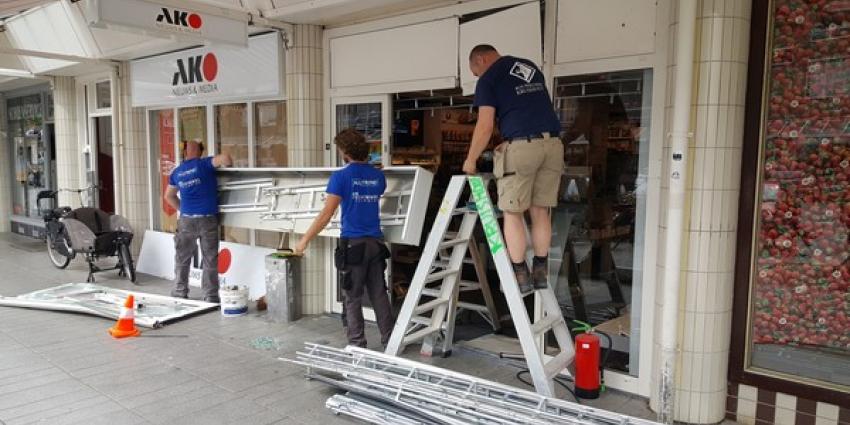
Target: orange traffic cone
(126,325)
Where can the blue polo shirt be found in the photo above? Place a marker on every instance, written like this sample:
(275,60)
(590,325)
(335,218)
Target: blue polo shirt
(196,181)
(516,88)
(360,186)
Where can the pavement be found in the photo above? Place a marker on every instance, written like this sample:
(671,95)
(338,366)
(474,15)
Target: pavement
(63,368)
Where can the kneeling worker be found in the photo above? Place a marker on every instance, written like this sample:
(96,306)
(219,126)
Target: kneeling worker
(362,254)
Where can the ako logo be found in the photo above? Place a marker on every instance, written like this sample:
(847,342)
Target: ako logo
(179,20)
(195,75)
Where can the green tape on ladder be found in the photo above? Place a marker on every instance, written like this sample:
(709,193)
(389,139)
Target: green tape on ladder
(485,213)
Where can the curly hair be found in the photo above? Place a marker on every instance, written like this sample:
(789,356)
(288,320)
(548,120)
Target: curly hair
(352,143)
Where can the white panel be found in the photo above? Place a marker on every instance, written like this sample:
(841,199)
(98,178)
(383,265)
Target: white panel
(514,32)
(240,73)
(46,29)
(159,20)
(426,51)
(595,29)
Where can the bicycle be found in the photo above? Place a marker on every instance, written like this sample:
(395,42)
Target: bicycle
(69,232)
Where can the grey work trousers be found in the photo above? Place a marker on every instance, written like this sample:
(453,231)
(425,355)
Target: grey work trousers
(367,278)
(189,230)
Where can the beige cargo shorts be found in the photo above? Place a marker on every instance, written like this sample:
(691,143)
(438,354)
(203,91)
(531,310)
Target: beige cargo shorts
(528,173)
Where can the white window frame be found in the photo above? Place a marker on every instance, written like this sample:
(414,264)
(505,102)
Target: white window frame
(210,142)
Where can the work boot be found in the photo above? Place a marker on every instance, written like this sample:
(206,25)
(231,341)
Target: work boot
(540,272)
(523,279)
(177,294)
(213,299)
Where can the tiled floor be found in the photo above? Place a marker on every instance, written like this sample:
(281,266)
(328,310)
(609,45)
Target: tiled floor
(63,368)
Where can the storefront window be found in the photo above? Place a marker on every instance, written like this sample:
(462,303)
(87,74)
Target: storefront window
(30,151)
(365,118)
(193,125)
(103,95)
(164,161)
(231,133)
(598,237)
(800,294)
(270,128)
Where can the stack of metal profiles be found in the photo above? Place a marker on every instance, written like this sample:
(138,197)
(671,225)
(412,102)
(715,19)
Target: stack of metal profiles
(384,389)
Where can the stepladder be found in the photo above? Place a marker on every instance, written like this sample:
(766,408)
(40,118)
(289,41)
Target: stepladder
(430,308)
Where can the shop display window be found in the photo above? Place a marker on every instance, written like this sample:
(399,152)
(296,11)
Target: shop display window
(365,118)
(193,126)
(270,130)
(598,225)
(231,133)
(164,161)
(30,152)
(799,318)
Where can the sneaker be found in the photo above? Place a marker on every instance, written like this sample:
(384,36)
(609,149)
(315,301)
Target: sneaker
(523,278)
(540,273)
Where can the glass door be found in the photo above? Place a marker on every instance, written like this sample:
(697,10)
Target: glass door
(369,115)
(598,226)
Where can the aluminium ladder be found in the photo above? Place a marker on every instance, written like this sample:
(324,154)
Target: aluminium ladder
(443,308)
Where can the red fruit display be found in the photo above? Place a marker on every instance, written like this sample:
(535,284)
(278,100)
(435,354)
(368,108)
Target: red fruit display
(801,290)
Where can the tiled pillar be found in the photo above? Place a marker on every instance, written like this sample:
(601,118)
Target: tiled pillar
(304,132)
(68,158)
(134,167)
(5,170)
(711,213)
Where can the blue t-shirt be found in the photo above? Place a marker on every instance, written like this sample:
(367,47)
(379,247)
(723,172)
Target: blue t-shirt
(360,186)
(195,178)
(516,88)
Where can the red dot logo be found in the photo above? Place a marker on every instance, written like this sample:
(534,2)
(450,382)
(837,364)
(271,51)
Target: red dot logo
(209,67)
(195,21)
(224,260)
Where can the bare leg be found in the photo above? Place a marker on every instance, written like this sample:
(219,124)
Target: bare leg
(515,236)
(541,230)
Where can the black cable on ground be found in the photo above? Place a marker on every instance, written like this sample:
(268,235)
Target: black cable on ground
(561,381)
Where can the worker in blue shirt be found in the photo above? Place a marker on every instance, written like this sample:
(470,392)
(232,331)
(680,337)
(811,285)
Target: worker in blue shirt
(529,164)
(194,179)
(362,254)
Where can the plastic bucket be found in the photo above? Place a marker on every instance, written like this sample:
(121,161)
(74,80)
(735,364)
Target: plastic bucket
(234,300)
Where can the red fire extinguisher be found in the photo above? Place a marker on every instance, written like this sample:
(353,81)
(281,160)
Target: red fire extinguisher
(589,381)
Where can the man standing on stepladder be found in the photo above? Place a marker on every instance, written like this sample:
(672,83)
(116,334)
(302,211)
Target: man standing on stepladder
(195,180)
(529,164)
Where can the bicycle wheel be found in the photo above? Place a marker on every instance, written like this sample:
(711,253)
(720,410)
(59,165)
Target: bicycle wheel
(127,262)
(59,260)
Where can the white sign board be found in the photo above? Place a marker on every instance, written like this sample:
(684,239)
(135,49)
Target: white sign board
(237,264)
(209,74)
(160,20)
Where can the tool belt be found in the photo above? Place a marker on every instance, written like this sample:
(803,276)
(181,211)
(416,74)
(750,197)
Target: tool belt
(347,255)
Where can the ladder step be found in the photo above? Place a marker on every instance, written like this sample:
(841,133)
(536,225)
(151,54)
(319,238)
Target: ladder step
(545,323)
(473,307)
(557,364)
(420,334)
(430,305)
(431,292)
(469,285)
(421,320)
(453,242)
(439,275)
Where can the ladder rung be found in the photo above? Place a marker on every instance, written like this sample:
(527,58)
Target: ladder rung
(469,285)
(421,320)
(453,242)
(545,324)
(422,333)
(431,292)
(439,276)
(557,364)
(473,307)
(430,305)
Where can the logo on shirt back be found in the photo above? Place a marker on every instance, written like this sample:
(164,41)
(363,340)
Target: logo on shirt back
(522,71)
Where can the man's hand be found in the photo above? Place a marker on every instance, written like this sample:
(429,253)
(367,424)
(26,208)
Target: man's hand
(300,247)
(469,167)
